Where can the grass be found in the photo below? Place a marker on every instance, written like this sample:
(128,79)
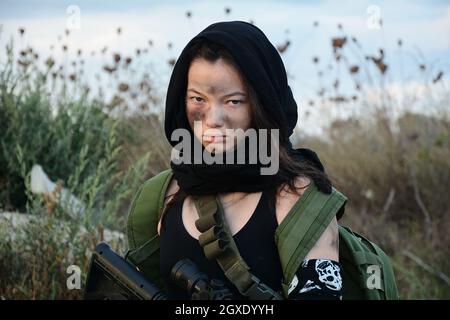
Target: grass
(392,166)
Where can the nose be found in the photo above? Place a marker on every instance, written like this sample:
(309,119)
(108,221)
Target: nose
(215,116)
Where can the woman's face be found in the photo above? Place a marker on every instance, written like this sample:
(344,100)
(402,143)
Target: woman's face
(216,96)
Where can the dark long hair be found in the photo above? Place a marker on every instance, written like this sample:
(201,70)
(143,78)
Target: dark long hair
(289,168)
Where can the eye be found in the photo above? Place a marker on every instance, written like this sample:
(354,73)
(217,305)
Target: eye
(196,100)
(235,102)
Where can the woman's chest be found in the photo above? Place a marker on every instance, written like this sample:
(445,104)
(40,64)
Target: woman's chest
(236,215)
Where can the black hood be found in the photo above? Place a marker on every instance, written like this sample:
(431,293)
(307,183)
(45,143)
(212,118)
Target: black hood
(258,60)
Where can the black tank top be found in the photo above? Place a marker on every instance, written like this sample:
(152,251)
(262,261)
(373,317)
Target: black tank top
(255,241)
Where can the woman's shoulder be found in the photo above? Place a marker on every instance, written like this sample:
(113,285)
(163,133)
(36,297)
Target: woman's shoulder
(327,246)
(171,190)
(287,197)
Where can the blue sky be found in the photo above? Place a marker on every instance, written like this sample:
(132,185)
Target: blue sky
(424,27)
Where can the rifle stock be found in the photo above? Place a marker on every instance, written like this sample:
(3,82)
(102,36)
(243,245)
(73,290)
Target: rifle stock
(110,277)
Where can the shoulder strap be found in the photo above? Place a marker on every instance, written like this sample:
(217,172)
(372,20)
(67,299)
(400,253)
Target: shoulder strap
(218,243)
(144,215)
(303,226)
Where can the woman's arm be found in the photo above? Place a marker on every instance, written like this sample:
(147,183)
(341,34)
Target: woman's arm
(327,247)
(319,275)
(317,279)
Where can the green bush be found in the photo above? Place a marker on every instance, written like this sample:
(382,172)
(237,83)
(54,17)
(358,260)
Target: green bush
(76,142)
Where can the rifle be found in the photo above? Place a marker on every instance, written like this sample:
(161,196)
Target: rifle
(110,277)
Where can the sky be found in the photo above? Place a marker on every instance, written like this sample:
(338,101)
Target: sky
(423,26)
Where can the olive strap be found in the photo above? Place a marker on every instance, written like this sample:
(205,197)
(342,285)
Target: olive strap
(218,243)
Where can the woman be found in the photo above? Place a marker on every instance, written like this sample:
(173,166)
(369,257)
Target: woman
(231,77)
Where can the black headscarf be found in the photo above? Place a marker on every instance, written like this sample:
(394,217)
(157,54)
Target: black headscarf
(263,68)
